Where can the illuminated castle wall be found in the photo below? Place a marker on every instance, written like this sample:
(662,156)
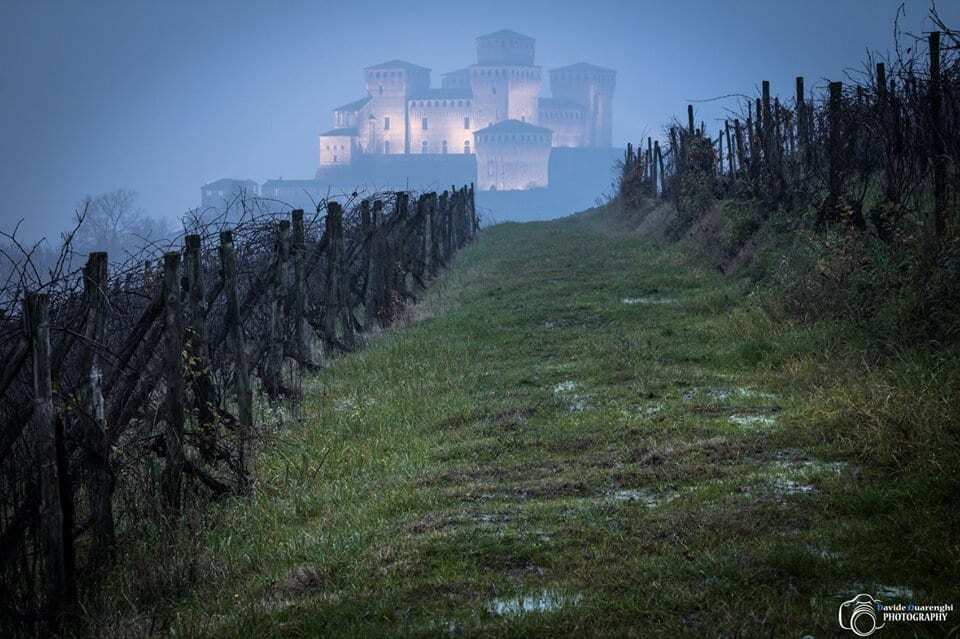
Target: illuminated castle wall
(402,115)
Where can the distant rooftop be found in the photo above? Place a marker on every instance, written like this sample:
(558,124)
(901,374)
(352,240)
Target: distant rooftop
(229,182)
(340,133)
(583,66)
(291,183)
(356,105)
(463,71)
(504,33)
(514,126)
(397,64)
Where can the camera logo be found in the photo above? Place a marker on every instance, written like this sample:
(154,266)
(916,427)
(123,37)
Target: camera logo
(859,615)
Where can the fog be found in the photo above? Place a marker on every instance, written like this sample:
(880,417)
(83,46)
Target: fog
(159,98)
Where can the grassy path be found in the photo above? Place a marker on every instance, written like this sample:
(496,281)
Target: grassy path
(583,437)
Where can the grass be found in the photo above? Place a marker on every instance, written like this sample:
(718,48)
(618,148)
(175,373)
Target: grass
(538,458)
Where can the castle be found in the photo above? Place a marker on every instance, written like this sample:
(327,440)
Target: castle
(492,110)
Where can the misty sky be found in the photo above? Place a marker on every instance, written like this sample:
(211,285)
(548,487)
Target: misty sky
(160,97)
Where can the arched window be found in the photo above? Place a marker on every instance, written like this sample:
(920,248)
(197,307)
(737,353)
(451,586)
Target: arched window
(425,147)
(466,147)
(381,89)
(443,146)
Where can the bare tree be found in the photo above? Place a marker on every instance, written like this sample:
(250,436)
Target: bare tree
(117,225)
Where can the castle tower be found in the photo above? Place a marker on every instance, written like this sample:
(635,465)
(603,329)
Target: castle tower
(591,87)
(505,81)
(512,156)
(386,126)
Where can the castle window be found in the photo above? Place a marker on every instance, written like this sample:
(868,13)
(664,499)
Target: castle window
(444,147)
(386,124)
(425,147)
(494,90)
(381,89)
(466,147)
(425,125)
(466,123)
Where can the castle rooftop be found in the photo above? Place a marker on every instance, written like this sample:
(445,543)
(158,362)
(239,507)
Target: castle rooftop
(512,126)
(505,33)
(583,66)
(397,64)
(356,105)
(340,133)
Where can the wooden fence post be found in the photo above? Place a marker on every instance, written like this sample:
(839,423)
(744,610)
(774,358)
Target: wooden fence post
(651,174)
(228,264)
(298,251)
(36,315)
(888,129)
(834,141)
(760,125)
(801,109)
(738,139)
(278,293)
(442,220)
(376,284)
(429,253)
(173,374)
(473,211)
(330,297)
(765,125)
(461,218)
(937,142)
(658,155)
(448,228)
(203,389)
(881,80)
(100,476)
(419,244)
(347,320)
(730,149)
(335,300)
(718,168)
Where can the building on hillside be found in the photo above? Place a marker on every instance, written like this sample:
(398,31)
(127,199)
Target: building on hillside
(402,115)
(222,193)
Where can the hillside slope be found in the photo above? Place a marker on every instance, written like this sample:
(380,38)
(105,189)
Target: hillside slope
(581,436)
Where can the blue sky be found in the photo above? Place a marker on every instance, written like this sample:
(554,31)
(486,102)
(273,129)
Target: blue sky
(160,97)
